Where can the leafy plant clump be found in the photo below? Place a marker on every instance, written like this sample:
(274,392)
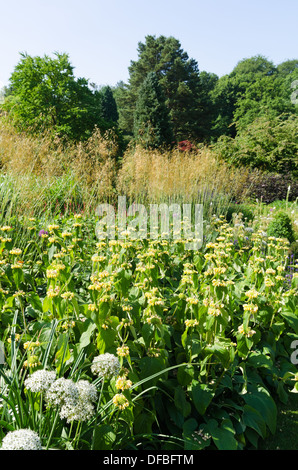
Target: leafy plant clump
(281,226)
(133,343)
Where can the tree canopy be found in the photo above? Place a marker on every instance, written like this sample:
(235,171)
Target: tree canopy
(178,75)
(254,88)
(250,113)
(44,94)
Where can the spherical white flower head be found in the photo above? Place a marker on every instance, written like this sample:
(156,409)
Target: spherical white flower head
(22,439)
(40,380)
(106,365)
(83,410)
(87,391)
(61,392)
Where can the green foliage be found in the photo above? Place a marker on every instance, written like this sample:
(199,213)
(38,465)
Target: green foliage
(281,226)
(203,351)
(244,209)
(109,106)
(269,144)
(44,95)
(264,97)
(254,89)
(152,128)
(187,97)
(294,249)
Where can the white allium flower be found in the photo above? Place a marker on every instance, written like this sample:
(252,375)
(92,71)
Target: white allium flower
(83,409)
(62,392)
(22,439)
(87,391)
(106,365)
(40,381)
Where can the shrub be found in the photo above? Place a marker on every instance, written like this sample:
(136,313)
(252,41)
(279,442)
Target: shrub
(281,227)
(267,144)
(269,187)
(294,249)
(245,210)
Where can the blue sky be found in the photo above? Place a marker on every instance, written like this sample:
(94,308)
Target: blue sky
(101,37)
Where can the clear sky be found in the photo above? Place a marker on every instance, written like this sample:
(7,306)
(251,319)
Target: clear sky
(101,36)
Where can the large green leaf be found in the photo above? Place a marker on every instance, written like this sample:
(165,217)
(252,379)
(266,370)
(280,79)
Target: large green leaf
(63,353)
(263,403)
(150,366)
(202,396)
(221,350)
(253,419)
(103,438)
(106,337)
(143,423)
(258,359)
(181,402)
(85,338)
(223,434)
(291,318)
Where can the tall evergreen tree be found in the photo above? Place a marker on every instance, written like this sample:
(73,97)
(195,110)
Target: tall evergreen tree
(180,81)
(109,106)
(152,127)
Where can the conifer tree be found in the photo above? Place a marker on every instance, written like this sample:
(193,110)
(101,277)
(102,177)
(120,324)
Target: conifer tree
(109,106)
(152,127)
(179,77)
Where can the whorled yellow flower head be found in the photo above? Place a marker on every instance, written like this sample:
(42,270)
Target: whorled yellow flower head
(123,351)
(120,401)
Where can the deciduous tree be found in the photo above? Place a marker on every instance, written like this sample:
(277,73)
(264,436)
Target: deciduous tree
(45,95)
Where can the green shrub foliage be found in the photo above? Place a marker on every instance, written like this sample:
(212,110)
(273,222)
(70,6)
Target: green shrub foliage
(281,227)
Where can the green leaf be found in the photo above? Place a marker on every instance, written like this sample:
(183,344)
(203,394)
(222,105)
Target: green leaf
(6,425)
(51,251)
(122,283)
(143,423)
(105,339)
(185,375)
(194,440)
(258,359)
(35,301)
(147,333)
(174,414)
(103,438)
(63,353)
(221,350)
(253,419)
(262,402)
(181,402)
(150,366)
(47,305)
(85,338)
(242,346)
(291,318)
(202,396)
(223,435)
